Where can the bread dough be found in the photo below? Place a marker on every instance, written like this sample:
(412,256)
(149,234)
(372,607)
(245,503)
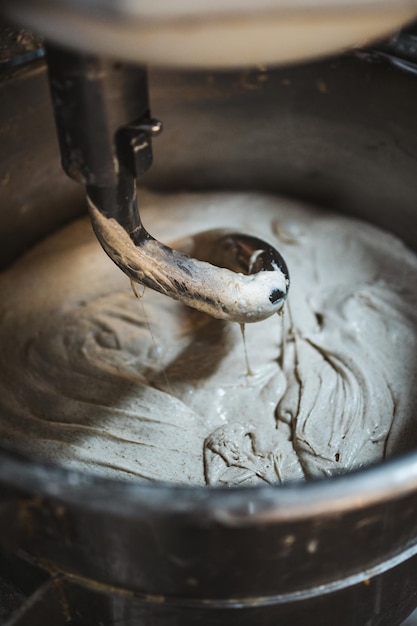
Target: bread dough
(94,379)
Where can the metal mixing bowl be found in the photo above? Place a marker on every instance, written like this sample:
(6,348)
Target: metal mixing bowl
(343,133)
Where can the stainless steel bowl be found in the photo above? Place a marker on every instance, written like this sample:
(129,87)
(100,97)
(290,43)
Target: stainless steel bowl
(342,133)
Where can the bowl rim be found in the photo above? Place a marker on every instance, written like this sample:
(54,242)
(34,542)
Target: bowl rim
(362,488)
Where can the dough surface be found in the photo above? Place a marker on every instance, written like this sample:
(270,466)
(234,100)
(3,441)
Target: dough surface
(146,389)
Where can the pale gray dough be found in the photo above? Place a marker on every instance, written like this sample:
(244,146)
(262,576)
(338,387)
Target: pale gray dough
(95,379)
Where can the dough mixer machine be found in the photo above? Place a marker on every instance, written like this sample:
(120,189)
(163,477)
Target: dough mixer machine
(127,32)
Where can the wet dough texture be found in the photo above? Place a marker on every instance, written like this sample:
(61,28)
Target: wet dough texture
(95,379)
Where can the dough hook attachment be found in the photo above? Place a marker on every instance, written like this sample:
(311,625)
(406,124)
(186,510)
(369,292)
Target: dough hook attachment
(218,291)
(92,100)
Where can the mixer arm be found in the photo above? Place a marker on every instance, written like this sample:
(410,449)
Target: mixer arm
(105,129)
(102,116)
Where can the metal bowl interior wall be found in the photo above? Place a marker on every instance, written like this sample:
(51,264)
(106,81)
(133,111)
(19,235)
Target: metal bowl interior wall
(341,133)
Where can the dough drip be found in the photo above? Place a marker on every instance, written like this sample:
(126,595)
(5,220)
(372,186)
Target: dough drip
(93,378)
